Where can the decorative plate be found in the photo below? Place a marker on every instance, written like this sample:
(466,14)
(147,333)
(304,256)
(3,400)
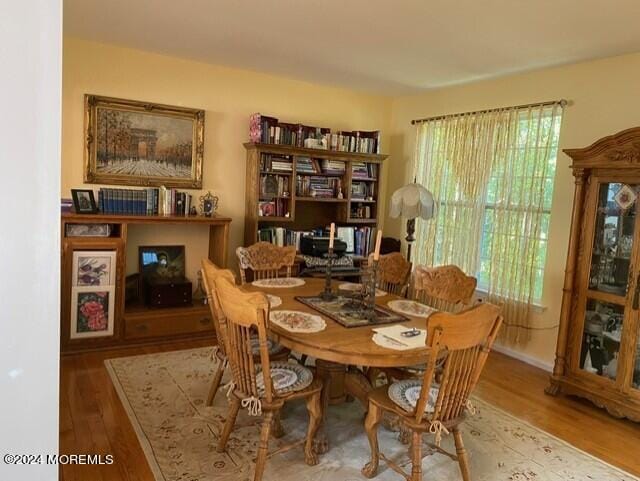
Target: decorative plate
(406,394)
(274,301)
(298,321)
(410,308)
(279,282)
(625,197)
(286,377)
(353,286)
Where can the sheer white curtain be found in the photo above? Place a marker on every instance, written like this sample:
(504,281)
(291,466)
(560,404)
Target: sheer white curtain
(491,174)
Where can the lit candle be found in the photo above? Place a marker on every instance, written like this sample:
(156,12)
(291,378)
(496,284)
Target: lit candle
(376,252)
(332,232)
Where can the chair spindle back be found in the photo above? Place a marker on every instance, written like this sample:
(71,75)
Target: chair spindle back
(466,338)
(445,288)
(393,273)
(246,313)
(210,272)
(265,260)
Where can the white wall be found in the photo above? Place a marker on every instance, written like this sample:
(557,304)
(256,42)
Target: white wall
(30,96)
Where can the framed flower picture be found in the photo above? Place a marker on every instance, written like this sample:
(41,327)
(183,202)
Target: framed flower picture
(94,268)
(92,312)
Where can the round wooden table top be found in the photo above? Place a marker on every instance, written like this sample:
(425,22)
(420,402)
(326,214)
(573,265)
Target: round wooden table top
(337,343)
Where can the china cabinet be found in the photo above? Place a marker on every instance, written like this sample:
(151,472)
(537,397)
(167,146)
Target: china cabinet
(598,350)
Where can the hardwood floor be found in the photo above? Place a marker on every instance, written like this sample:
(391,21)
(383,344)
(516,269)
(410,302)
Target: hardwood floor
(93,421)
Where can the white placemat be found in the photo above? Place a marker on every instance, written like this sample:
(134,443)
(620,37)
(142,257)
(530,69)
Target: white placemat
(298,321)
(410,308)
(279,282)
(274,301)
(391,338)
(353,286)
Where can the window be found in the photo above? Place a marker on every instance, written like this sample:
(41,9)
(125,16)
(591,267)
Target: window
(492,174)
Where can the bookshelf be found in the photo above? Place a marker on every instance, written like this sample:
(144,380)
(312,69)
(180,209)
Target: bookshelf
(135,323)
(301,189)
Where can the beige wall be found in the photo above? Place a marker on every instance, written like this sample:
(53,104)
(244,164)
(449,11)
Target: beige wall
(227,95)
(604,98)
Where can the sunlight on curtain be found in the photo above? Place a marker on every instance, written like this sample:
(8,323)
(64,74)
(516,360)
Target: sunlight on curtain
(491,174)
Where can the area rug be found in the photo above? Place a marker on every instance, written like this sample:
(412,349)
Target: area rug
(164,395)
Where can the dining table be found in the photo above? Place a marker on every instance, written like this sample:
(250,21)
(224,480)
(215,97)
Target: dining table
(345,357)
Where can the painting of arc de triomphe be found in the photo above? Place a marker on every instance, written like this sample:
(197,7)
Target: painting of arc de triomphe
(145,145)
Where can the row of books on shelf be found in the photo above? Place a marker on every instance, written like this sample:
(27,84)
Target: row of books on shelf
(276,163)
(366,170)
(320,187)
(274,186)
(150,201)
(307,165)
(275,207)
(283,237)
(269,130)
(360,240)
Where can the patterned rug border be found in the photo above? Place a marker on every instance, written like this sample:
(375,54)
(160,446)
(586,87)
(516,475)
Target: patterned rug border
(142,437)
(155,468)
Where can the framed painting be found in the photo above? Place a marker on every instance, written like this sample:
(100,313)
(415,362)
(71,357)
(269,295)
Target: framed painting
(92,312)
(94,268)
(140,143)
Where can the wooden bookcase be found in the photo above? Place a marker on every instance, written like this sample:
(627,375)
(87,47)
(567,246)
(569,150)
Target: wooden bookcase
(135,323)
(307,212)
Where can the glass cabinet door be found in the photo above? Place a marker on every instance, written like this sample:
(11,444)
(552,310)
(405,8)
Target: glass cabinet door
(609,279)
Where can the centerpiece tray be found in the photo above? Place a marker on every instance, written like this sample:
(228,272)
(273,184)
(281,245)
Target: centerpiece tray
(347,312)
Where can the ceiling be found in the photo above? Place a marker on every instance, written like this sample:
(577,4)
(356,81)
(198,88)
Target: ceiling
(385,46)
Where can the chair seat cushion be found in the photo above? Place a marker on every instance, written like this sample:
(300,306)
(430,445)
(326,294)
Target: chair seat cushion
(272,347)
(286,377)
(406,394)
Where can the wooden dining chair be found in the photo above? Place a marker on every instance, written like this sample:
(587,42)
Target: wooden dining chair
(393,273)
(425,407)
(265,260)
(262,389)
(210,272)
(445,288)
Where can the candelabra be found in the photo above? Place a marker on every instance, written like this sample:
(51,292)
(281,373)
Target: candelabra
(327,294)
(369,292)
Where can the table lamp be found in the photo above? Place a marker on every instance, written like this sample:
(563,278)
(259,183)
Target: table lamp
(412,201)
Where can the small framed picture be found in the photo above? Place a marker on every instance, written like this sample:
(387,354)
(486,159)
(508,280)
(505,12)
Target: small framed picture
(93,268)
(92,312)
(83,201)
(348,235)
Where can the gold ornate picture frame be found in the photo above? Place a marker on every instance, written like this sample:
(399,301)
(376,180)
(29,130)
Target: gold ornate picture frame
(129,142)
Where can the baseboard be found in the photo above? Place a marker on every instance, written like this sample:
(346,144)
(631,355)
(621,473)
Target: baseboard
(523,357)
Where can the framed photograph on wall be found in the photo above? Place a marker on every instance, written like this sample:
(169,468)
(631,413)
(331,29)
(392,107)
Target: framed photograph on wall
(141,143)
(93,268)
(92,312)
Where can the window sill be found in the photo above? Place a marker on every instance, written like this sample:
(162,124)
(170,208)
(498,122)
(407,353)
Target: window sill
(536,307)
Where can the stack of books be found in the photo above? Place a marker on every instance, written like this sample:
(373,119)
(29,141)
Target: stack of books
(364,170)
(150,201)
(276,163)
(315,186)
(333,167)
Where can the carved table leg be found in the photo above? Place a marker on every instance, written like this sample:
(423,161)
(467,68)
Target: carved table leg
(357,385)
(321,441)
